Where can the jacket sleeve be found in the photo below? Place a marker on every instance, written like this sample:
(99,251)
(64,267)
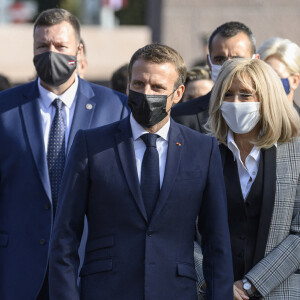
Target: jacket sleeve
(214,231)
(283,260)
(198,259)
(68,227)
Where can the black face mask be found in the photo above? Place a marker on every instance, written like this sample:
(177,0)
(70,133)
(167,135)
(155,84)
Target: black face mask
(54,68)
(148,110)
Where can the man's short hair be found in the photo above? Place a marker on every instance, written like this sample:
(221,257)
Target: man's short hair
(119,79)
(4,83)
(159,54)
(197,73)
(55,16)
(231,29)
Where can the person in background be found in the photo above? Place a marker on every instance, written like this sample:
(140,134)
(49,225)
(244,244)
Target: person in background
(82,62)
(38,122)
(141,192)
(258,131)
(119,79)
(230,40)
(198,83)
(4,83)
(284,57)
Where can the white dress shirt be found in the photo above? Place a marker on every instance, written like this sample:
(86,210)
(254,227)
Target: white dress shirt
(48,111)
(247,172)
(140,147)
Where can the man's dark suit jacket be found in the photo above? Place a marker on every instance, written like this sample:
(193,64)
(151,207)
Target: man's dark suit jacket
(127,256)
(25,196)
(192,113)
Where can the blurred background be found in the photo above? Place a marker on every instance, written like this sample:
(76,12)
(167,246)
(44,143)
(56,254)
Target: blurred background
(113,29)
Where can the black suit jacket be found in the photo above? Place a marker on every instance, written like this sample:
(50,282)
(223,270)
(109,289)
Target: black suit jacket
(193,113)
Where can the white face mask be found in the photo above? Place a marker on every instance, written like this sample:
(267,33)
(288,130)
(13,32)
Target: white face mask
(215,70)
(241,117)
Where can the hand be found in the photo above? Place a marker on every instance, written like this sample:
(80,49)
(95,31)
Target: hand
(238,291)
(203,287)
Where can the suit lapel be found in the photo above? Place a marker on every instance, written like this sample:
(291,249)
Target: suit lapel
(33,126)
(125,147)
(175,146)
(84,110)
(269,188)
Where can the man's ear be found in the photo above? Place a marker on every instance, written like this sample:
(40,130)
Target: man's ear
(178,94)
(257,56)
(127,88)
(207,61)
(80,51)
(295,80)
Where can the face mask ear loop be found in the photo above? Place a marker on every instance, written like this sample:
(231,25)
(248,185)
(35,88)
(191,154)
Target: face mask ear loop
(172,101)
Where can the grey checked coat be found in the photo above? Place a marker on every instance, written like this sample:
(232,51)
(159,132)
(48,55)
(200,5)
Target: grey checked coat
(277,275)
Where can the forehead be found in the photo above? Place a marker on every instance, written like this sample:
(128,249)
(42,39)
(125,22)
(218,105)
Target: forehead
(238,45)
(57,32)
(243,82)
(143,69)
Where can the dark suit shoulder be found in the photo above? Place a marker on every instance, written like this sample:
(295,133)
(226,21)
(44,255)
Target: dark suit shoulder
(20,89)
(106,92)
(17,95)
(191,107)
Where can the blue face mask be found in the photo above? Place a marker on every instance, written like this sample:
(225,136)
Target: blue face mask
(286,85)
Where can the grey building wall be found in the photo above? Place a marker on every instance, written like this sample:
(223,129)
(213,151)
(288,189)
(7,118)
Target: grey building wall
(185,23)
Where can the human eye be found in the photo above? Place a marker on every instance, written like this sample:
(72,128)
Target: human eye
(246,95)
(219,60)
(228,95)
(158,87)
(41,46)
(137,83)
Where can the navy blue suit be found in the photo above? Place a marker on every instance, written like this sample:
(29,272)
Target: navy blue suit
(25,198)
(127,256)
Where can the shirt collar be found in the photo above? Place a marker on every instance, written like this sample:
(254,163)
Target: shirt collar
(67,97)
(138,130)
(254,153)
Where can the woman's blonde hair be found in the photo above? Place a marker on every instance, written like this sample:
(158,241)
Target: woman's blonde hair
(279,120)
(285,50)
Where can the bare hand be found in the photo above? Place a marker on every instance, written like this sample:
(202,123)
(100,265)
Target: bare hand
(238,291)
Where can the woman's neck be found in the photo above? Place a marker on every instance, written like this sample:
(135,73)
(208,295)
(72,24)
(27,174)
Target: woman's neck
(243,142)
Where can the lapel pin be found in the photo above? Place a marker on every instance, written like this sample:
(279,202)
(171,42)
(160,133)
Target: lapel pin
(89,106)
(178,144)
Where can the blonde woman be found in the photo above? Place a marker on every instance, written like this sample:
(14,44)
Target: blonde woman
(284,57)
(258,134)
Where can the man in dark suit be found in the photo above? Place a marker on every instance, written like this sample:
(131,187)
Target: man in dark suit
(230,40)
(38,122)
(141,192)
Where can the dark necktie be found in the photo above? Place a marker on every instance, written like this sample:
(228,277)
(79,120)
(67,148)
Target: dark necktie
(56,151)
(150,183)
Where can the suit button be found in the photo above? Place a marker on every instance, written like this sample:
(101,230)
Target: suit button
(42,242)
(242,237)
(150,232)
(47,206)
